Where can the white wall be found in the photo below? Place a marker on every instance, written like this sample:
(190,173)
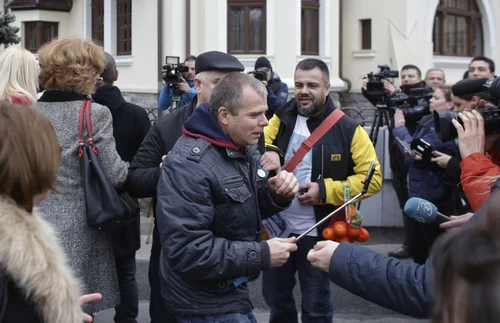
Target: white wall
(402,34)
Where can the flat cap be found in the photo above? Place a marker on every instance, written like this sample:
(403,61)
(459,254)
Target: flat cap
(216,61)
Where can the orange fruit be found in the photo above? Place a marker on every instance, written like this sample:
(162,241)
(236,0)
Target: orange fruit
(328,233)
(352,232)
(364,235)
(340,229)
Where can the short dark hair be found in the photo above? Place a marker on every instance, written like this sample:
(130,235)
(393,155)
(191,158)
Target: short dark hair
(109,73)
(311,63)
(487,60)
(228,92)
(190,58)
(412,67)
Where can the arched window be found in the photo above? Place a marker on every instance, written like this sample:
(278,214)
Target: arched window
(457,28)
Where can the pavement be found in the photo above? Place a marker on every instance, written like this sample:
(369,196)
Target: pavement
(348,308)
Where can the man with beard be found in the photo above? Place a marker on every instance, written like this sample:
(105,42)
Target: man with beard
(342,156)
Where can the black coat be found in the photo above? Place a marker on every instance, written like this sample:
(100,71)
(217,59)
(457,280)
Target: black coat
(144,171)
(210,204)
(130,126)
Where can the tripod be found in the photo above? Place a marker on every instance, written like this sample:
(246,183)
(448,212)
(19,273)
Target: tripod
(380,119)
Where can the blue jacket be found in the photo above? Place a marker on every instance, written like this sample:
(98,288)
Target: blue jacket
(402,286)
(277,94)
(425,177)
(166,95)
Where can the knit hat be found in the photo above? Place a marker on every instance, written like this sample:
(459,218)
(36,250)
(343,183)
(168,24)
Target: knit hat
(263,62)
(217,61)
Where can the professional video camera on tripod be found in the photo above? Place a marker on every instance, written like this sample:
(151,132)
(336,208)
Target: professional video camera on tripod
(413,100)
(172,72)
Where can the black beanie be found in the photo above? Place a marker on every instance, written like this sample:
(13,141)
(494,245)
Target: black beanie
(263,62)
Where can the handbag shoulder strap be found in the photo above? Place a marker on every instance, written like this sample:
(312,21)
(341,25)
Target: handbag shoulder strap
(319,132)
(85,114)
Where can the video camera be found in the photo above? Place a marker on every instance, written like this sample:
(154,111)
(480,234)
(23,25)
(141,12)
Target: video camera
(375,85)
(172,72)
(413,102)
(491,114)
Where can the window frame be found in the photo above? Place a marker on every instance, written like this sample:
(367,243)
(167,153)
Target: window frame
(366,34)
(309,5)
(38,34)
(97,24)
(471,14)
(246,5)
(128,42)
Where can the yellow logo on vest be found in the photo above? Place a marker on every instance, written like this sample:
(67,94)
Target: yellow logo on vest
(336,157)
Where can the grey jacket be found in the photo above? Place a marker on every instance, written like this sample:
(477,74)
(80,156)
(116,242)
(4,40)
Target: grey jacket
(89,252)
(210,203)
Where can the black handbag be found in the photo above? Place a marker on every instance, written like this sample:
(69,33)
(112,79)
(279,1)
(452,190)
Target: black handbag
(107,207)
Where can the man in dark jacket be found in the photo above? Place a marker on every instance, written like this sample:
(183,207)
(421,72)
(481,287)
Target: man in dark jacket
(277,91)
(130,126)
(144,171)
(340,158)
(212,194)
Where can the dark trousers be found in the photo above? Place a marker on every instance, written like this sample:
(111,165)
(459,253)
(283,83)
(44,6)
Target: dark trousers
(423,235)
(223,318)
(157,310)
(278,283)
(128,309)
(400,184)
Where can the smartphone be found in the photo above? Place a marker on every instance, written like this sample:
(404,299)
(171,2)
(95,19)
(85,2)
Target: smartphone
(405,145)
(422,147)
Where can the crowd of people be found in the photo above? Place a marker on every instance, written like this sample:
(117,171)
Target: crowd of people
(233,154)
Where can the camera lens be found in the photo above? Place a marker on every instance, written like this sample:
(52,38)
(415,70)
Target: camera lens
(259,75)
(445,130)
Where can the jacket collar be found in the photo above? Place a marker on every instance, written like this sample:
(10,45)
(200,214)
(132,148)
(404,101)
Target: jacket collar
(289,112)
(41,272)
(109,96)
(203,124)
(62,96)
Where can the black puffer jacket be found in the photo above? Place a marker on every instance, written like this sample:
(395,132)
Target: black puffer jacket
(210,203)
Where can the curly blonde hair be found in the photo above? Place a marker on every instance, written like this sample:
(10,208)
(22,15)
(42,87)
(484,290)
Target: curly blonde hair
(70,64)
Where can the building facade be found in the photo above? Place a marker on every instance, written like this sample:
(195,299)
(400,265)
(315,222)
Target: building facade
(351,36)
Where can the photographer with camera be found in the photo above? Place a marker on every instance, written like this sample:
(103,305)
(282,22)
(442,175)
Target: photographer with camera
(185,88)
(425,178)
(277,91)
(381,93)
(480,157)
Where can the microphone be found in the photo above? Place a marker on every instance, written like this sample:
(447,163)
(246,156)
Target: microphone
(491,86)
(424,211)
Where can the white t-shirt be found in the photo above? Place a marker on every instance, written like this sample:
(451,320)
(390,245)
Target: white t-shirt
(300,217)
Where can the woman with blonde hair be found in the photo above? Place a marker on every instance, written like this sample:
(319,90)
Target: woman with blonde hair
(69,68)
(19,80)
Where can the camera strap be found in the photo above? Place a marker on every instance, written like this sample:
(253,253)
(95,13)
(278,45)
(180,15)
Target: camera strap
(319,132)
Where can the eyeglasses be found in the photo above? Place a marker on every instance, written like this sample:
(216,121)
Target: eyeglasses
(263,69)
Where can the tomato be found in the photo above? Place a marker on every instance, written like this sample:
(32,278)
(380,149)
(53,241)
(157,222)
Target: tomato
(344,239)
(364,235)
(352,232)
(329,233)
(340,229)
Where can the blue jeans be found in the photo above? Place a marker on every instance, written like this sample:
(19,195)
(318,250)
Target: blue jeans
(278,283)
(223,318)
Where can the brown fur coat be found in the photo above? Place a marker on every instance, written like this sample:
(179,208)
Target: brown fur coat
(31,256)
